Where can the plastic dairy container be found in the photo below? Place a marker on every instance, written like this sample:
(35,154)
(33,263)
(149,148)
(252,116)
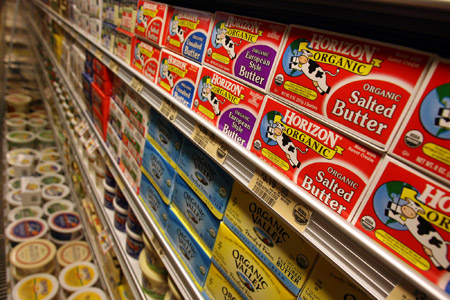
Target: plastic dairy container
(37,124)
(36,115)
(23,164)
(20,138)
(11,172)
(18,102)
(74,251)
(13,115)
(38,286)
(65,226)
(108,196)
(99,174)
(48,168)
(12,155)
(14,198)
(49,270)
(14,184)
(152,258)
(49,150)
(25,212)
(134,243)
(13,124)
(88,294)
(50,157)
(55,191)
(153,283)
(32,257)
(133,223)
(173,289)
(120,198)
(45,138)
(52,178)
(58,205)
(78,275)
(26,229)
(60,243)
(120,216)
(109,178)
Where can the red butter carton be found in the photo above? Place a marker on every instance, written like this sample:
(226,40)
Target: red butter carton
(178,76)
(361,85)
(424,139)
(187,32)
(151,20)
(408,214)
(245,48)
(331,167)
(230,106)
(145,59)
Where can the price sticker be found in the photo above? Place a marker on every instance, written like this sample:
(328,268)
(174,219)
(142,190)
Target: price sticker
(114,67)
(137,85)
(99,54)
(168,109)
(104,241)
(81,128)
(86,44)
(208,142)
(91,145)
(280,199)
(405,291)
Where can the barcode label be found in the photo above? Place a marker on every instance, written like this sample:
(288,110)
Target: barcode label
(168,109)
(137,85)
(208,142)
(266,197)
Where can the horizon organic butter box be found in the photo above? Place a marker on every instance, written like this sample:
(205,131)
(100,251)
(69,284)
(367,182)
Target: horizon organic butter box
(145,59)
(408,213)
(334,169)
(424,139)
(362,85)
(150,21)
(245,48)
(227,104)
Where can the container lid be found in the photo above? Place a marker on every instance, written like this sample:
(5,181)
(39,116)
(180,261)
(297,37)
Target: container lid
(62,243)
(16,122)
(48,168)
(118,208)
(52,178)
(37,122)
(36,115)
(92,293)
(14,198)
(45,136)
(16,114)
(14,184)
(55,191)
(20,136)
(39,286)
(21,212)
(11,155)
(17,99)
(59,205)
(26,229)
(65,222)
(23,160)
(49,150)
(149,273)
(50,157)
(72,252)
(34,254)
(108,188)
(78,275)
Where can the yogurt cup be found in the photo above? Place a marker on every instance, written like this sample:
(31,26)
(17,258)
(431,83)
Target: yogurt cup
(73,251)
(78,275)
(50,157)
(133,223)
(32,257)
(37,115)
(26,229)
(25,212)
(14,198)
(134,243)
(154,262)
(12,155)
(37,124)
(49,270)
(14,124)
(55,206)
(60,243)
(45,138)
(109,178)
(120,217)
(99,174)
(14,184)
(65,226)
(153,283)
(51,149)
(20,138)
(120,199)
(52,178)
(19,115)
(54,191)
(18,102)
(92,293)
(37,286)
(108,196)
(47,168)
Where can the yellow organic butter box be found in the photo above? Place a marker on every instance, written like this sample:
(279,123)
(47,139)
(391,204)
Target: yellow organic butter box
(218,287)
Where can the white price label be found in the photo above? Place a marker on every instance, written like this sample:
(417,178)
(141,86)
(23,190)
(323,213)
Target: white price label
(137,85)
(113,66)
(208,142)
(91,145)
(168,109)
(81,128)
(99,54)
(405,291)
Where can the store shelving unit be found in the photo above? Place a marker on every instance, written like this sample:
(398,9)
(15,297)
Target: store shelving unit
(370,265)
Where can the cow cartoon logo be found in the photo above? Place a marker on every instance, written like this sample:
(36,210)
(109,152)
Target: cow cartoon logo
(138,57)
(222,39)
(396,205)
(175,29)
(205,93)
(141,18)
(273,133)
(165,73)
(435,112)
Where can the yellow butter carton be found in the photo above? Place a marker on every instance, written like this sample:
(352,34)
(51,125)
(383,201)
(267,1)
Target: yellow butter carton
(276,244)
(243,268)
(328,283)
(218,287)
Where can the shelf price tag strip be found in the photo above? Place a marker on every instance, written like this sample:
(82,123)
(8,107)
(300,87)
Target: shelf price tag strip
(168,109)
(113,66)
(405,291)
(208,142)
(280,199)
(99,54)
(137,85)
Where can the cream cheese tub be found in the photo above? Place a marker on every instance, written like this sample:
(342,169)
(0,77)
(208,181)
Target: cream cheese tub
(14,184)
(36,115)
(78,275)
(45,138)
(120,216)
(52,178)
(75,251)
(153,283)
(134,243)
(20,138)
(65,226)
(48,168)
(88,294)
(12,155)
(153,260)
(37,124)
(13,115)
(23,165)
(50,157)
(18,102)
(58,205)
(14,198)
(25,212)
(14,124)
(108,196)
(50,269)
(32,257)
(39,286)
(26,229)
(54,191)
(60,243)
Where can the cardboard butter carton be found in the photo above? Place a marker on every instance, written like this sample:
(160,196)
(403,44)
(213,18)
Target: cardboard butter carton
(151,20)
(178,76)
(133,142)
(243,268)
(108,36)
(408,213)
(329,166)
(123,45)
(218,287)
(116,118)
(187,32)
(207,179)
(137,110)
(111,12)
(159,211)
(114,142)
(245,48)
(424,138)
(130,168)
(362,85)
(279,247)
(145,59)
(230,106)
(127,12)
(328,283)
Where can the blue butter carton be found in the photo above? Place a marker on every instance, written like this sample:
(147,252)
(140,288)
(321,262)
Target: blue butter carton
(159,171)
(195,259)
(208,180)
(195,212)
(167,138)
(154,204)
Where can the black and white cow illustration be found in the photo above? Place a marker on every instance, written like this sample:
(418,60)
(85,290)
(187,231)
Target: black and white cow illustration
(432,242)
(312,70)
(138,56)
(167,74)
(176,29)
(141,17)
(212,98)
(226,41)
(277,133)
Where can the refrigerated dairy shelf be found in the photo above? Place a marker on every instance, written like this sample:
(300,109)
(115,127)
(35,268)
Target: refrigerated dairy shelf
(367,263)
